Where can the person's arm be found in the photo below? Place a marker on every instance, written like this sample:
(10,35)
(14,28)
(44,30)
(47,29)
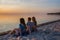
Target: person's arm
(34,27)
(28,29)
(20,28)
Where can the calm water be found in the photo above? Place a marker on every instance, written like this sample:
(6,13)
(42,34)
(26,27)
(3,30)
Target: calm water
(12,21)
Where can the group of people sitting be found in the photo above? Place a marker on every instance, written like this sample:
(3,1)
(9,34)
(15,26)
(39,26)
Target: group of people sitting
(25,29)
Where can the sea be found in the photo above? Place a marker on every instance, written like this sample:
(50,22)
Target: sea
(10,22)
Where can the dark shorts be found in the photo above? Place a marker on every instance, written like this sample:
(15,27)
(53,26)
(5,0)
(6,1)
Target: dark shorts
(24,33)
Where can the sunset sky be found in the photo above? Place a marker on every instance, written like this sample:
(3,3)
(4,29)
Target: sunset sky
(29,6)
(12,10)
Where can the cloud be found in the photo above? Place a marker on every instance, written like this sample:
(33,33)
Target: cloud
(8,2)
(30,4)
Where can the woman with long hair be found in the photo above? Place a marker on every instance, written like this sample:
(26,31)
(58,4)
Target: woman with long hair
(35,23)
(22,24)
(21,31)
(23,28)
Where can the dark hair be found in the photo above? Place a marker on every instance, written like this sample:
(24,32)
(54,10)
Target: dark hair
(34,20)
(29,18)
(22,21)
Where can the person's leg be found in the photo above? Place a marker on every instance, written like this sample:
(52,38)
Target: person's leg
(34,28)
(12,32)
(28,30)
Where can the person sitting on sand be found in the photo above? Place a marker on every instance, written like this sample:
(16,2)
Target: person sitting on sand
(34,22)
(23,27)
(30,25)
(22,30)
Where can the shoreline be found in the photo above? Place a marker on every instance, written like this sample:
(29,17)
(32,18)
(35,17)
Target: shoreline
(48,23)
(4,33)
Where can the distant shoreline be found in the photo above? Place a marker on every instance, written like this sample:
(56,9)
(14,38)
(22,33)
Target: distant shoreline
(48,23)
(57,13)
(39,25)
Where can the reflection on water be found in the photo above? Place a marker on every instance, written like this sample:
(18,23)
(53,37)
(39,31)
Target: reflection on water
(8,22)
